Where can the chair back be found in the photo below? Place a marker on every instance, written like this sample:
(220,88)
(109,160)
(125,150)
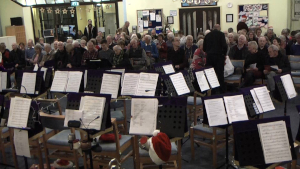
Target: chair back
(55,122)
(295,65)
(294,58)
(238,66)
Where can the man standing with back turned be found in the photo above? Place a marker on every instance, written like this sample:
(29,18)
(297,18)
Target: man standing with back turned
(215,47)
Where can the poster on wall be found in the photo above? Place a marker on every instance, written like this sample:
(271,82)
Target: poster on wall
(297,9)
(256,15)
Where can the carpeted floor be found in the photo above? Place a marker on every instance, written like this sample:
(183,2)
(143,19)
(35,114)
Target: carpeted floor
(203,155)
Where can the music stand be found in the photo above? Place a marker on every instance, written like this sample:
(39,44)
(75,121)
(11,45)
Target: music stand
(8,82)
(48,77)
(39,83)
(98,64)
(158,67)
(248,145)
(298,134)
(81,88)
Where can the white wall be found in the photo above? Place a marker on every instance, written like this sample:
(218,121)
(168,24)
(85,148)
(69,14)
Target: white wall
(278,11)
(28,23)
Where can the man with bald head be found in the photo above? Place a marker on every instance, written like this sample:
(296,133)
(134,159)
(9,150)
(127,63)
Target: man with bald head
(29,52)
(90,54)
(61,56)
(16,57)
(262,46)
(239,51)
(110,42)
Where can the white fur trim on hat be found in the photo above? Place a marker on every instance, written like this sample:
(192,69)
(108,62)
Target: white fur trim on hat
(154,157)
(155,132)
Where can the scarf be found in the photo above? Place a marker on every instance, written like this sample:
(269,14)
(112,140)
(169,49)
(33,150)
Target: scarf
(118,59)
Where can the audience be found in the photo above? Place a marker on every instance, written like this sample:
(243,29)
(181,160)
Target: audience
(90,54)
(170,38)
(270,35)
(258,32)
(242,25)
(153,34)
(29,52)
(278,59)
(125,28)
(150,48)
(176,55)
(189,49)
(61,56)
(83,44)
(182,38)
(110,43)
(138,56)
(199,58)
(55,46)
(295,48)
(251,37)
(262,46)
(49,54)
(74,59)
(291,42)
(277,42)
(37,57)
(120,59)
(105,53)
(5,55)
(16,57)
(239,51)
(231,40)
(162,48)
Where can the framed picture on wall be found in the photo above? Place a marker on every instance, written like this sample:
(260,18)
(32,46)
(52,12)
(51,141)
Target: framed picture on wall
(229,17)
(170,20)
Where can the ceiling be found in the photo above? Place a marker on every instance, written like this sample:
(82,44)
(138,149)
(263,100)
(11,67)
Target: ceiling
(53,2)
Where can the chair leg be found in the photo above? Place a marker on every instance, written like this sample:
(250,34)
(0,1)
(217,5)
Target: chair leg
(40,156)
(85,162)
(192,142)
(13,148)
(3,152)
(214,151)
(179,154)
(46,152)
(76,159)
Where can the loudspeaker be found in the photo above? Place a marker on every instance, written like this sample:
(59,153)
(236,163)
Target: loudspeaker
(16,21)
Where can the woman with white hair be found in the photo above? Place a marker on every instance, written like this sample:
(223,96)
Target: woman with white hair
(120,59)
(199,58)
(37,57)
(170,38)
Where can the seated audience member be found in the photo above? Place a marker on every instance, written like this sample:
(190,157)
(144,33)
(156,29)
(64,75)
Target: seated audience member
(283,42)
(225,33)
(189,48)
(37,57)
(41,43)
(90,54)
(251,37)
(252,72)
(262,46)
(29,52)
(98,46)
(110,43)
(150,46)
(78,48)
(16,57)
(242,25)
(239,51)
(138,56)
(162,47)
(270,35)
(277,42)
(153,34)
(105,53)
(100,34)
(170,37)
(22,47)
(199,58)
(291,42)
(61,56)
(69,41)
(5,55)
(200,37)
(55,48)
(295,49)
(176,55)
(285,33)
(79,34)
(120,59)
(74,59)
(49,54)
(231,40)
(230,30)
(94,42)
(117,35)
(275,58)
(83,44)
(258,32)
(84,38)
(121,43)
(182,37)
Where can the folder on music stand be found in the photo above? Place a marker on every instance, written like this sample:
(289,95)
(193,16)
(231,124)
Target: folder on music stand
(280,93)
(39,83)
(164,68)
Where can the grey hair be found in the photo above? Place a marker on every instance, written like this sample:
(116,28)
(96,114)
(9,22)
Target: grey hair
(254,44)
(30,40)
(189,36)
(242,36)
(75,42)
(269,30)
(262,37)
(133,36)
(297,35)
(47,45)
(38,47)
(273,47)
(284,31)
(200,42)
(133,40)
(70,40)
(170,35)
(109,36)
(282,38)
(148,37)
(230,34)
(117,47)
(98,37)
(227,40)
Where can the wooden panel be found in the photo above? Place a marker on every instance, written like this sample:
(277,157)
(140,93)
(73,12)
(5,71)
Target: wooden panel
(18,31)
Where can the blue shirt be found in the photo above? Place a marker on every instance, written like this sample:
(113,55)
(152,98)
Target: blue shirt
(29,53)
(152,47)
(295,49)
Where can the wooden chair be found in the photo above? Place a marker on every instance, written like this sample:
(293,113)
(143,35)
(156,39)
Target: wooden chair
(111,150)
(236,78)
(143,160)
(58,142)
(216,135)
(4,142)
(120,116)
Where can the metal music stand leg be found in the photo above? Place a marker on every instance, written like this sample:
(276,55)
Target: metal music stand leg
(227,163)
(285,103)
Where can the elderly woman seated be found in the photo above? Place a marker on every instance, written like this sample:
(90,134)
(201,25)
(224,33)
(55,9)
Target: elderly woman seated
(37,57)
(120,59)
(49,54)
(199,58)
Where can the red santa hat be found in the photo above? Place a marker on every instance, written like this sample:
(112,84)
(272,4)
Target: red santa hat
(160,148)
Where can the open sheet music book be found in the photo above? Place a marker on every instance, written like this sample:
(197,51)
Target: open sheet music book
(202,82)
(92,111)
(216,113)
(236,109)
(139,84)
(119,71)
(263,99)
(143,116)
(275,142)
(288,85)
(44,69)
(212,77)
(169,69)
(110,84)
(179,84)
(65,81)
(28,83)
(18,112)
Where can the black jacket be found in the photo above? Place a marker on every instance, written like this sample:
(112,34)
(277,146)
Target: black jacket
(281,61)
(257,58)
(233,50)
(17,57)
(75,59)
(91,35)
(61,59)
(125,63)
(177,57)
(215,43)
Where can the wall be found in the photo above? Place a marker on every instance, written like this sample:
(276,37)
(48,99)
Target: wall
(28,23)
(81,17)
(278,21)
(121,14)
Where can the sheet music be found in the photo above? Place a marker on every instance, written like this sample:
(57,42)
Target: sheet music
(36,67)
(212,77)
(288,85)
(256,101)
(168,69)
(179,84)
(147,84)
(275,142)
(130,83)
(72,115)
(143,116)
(110,84)
(264,98)
(18,112)
(74,81)
(274,67)
(202,82)
(21,143)
(119,71)
(92,107)
(85,78)
(215,112)
(253,66)
(3,80)
(44,69)
(28,83)
(60,81)
(236,109)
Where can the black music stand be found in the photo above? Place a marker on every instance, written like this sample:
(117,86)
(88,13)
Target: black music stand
(248,145)
(81,88)
(251,107)
(48,77)
(158,67)
(39,84)
(170,87)
(298,134)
